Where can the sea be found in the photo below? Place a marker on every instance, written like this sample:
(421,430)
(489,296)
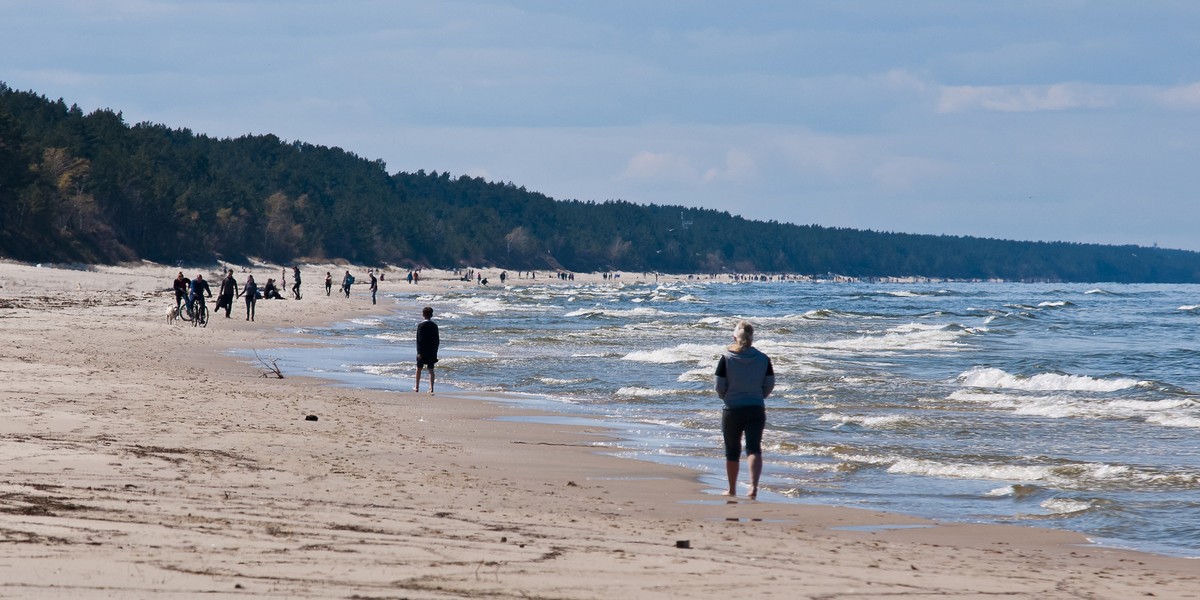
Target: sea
(1069,406)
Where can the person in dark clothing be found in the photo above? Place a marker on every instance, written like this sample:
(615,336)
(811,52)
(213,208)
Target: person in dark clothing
(347,281)
(182,287)
(229,289)
(199,290)
(374,286)
(428,341)
(328,282)
(296,286)
(271,291)
(744,379)
(250,291)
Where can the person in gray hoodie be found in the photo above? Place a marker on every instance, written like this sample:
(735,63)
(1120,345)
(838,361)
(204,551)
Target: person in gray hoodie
(744,379)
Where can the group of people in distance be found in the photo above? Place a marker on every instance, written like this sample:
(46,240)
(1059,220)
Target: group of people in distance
(744,376)
(190,291)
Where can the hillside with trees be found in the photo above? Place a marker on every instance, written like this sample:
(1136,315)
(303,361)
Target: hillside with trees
(90,188)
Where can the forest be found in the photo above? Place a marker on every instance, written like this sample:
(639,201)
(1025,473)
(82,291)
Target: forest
(91,188)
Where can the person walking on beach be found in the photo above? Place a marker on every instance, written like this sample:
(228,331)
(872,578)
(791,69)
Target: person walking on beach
(296,286)
(744,379)
(250,290)
(427,347)
(229,289)
(374,285)
(328,282)
(347,281)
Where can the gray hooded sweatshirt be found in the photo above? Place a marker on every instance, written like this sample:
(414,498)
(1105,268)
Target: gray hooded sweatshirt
(744,378)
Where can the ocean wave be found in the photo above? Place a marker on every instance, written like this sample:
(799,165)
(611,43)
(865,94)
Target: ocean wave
(993,378)
(1055,304)
(1016,490)
(910,337)
(1170,412)
(694,353)
(930,468)
(870,422)
(1187,421)
(557,381)
(1190,308)
(643,392)
(617,313)
(698,374)
(1066,506)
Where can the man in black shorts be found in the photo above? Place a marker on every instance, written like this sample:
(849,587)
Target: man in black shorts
(427,347)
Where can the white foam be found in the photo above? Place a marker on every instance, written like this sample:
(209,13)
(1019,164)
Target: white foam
(1063,506)
(989,377)
(912,466)
(910,337)
(1166,420)
(695,353)
(1054,304)
(604,312)
(699,374)
(642,392)
(870,422)
(556,381)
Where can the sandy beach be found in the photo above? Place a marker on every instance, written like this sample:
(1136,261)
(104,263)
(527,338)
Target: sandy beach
(141,460)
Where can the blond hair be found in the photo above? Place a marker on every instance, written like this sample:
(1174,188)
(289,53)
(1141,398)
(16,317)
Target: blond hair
(743,336)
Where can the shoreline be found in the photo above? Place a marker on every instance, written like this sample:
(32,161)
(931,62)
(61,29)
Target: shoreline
(144,460)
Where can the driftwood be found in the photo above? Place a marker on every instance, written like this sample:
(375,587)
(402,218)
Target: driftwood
(272,367)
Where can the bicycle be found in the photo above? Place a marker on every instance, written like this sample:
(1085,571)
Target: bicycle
(197,314)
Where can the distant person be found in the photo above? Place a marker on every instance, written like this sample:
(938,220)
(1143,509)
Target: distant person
(328,282)
(347,281)
(199,290)
(427,347)
(182,287)
(374,285)
(229,289)
(250,291)
(296,286)
(271,291)
(744,379)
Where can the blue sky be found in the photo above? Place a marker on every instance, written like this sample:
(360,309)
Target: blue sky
(1056,120)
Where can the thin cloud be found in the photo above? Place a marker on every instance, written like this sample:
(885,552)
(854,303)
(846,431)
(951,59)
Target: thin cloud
(659,166)
(1056,97)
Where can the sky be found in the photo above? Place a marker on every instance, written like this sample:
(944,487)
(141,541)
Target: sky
(1044,120)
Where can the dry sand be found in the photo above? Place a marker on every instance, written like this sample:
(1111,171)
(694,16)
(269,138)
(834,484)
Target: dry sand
(141,461)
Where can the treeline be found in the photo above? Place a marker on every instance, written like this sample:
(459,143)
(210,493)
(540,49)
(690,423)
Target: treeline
(78,187)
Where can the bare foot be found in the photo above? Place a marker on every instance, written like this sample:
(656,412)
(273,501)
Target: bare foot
(416,390)
(729,493)
(753,493)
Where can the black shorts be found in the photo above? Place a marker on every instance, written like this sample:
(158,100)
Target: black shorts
(426,362)
(747,420)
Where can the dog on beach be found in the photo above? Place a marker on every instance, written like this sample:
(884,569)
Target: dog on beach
(172,314)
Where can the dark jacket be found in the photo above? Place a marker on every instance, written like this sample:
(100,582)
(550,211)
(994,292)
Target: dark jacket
(744,378)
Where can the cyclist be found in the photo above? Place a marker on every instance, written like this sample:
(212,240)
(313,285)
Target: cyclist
(199,289)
